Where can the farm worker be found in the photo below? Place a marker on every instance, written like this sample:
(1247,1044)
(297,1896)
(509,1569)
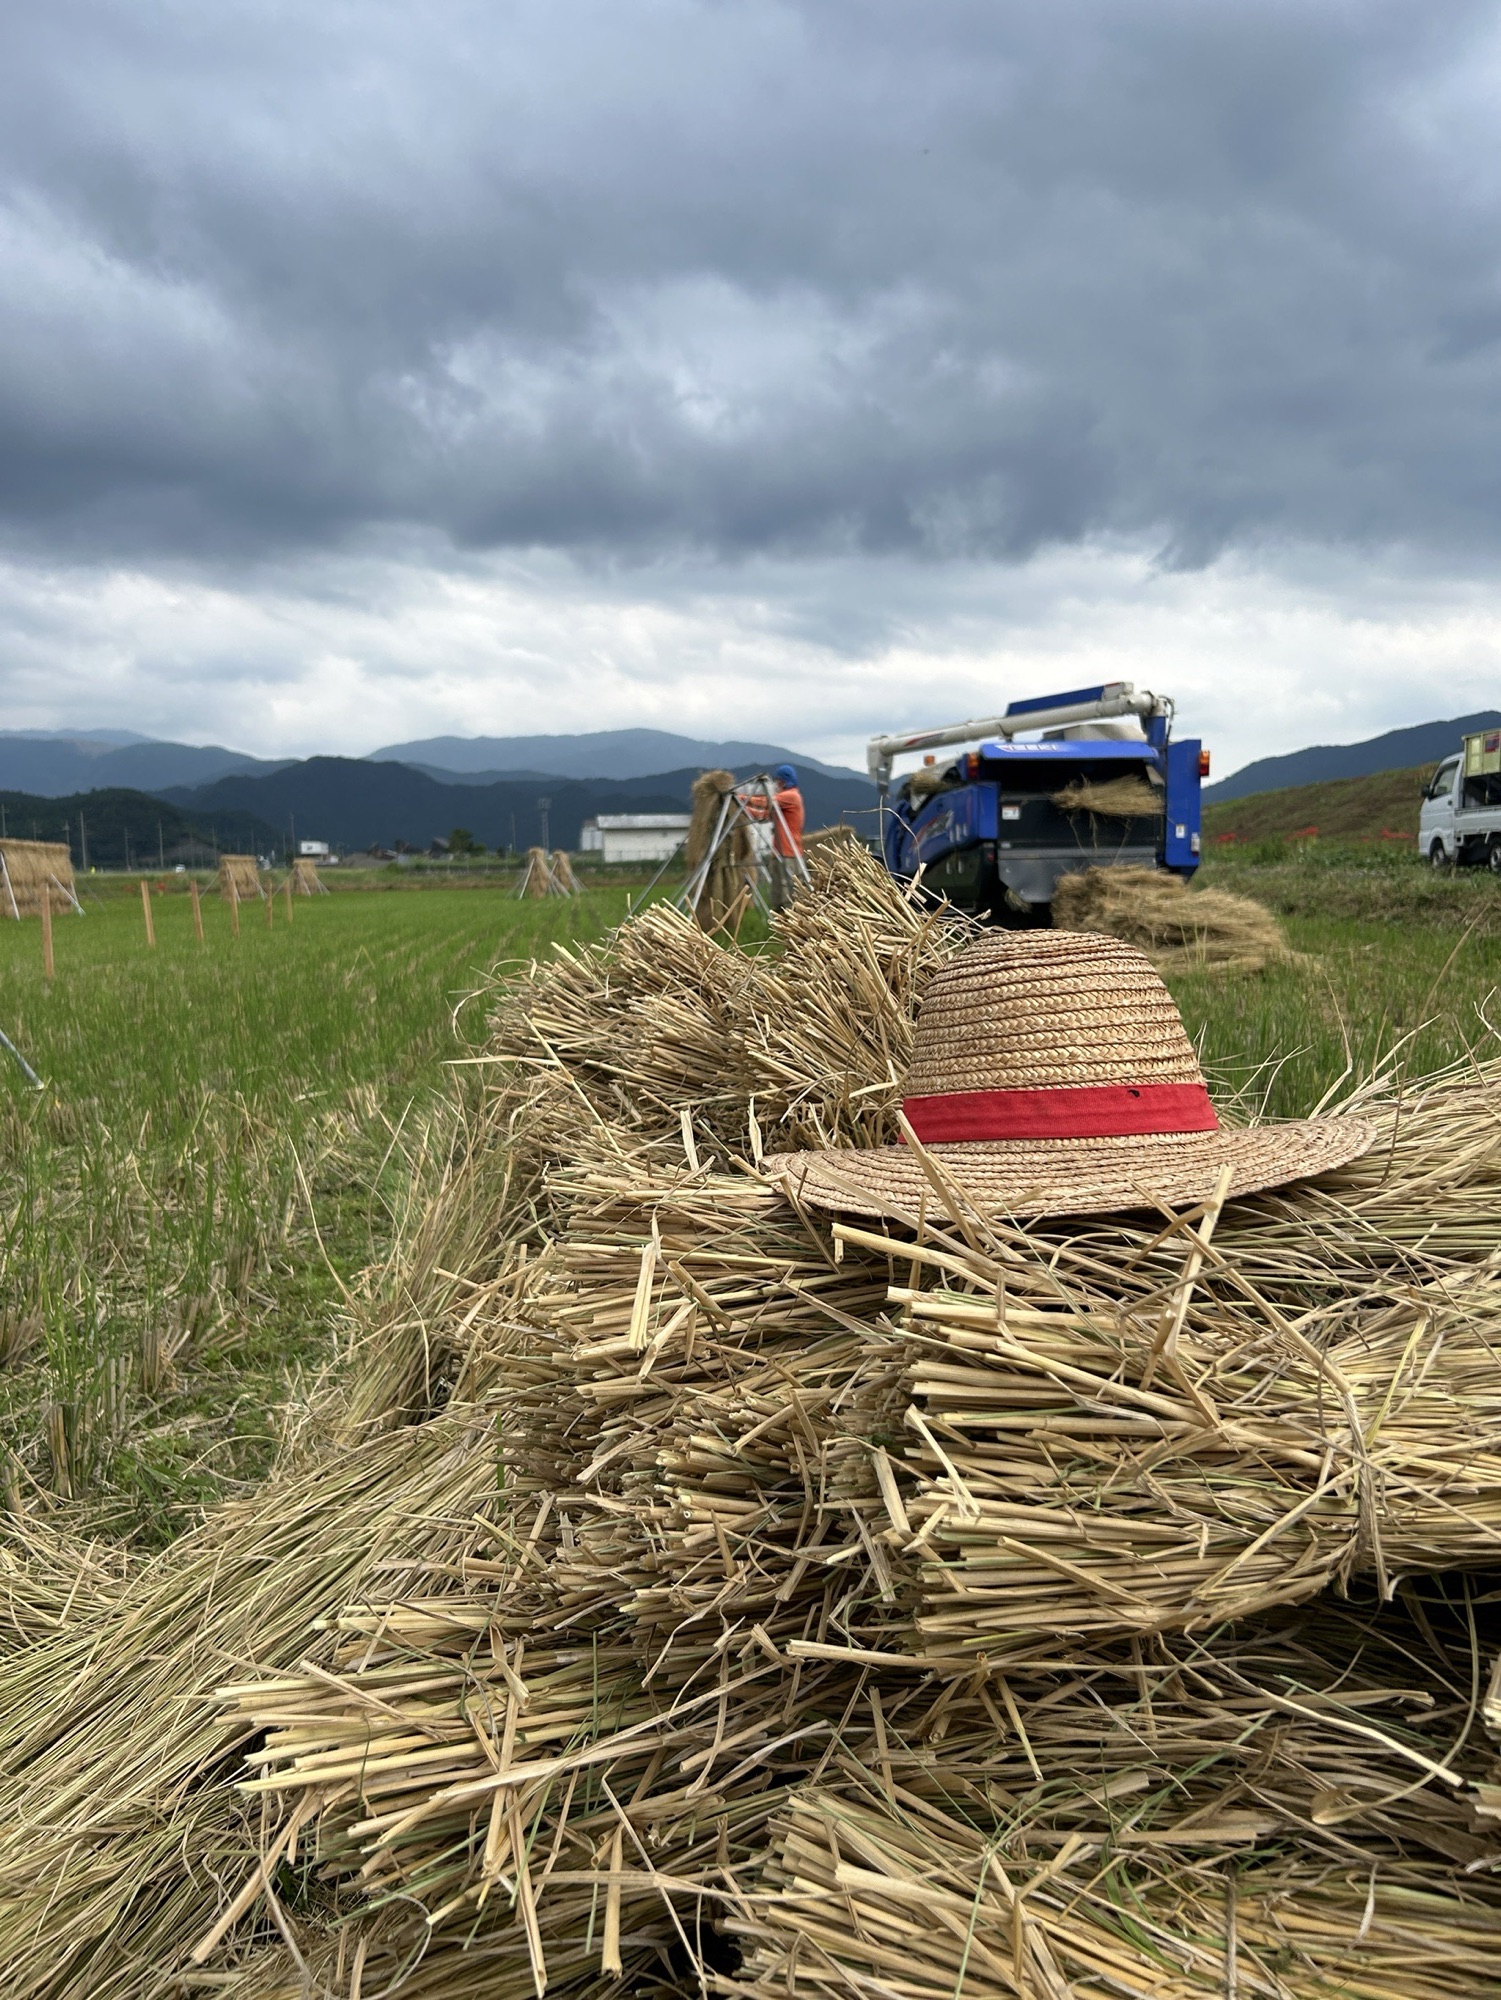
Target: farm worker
(786,833)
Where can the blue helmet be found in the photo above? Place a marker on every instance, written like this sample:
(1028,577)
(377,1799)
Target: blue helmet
(785,775)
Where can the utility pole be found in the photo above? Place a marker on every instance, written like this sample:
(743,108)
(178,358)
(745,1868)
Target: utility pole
(512,848)
(544,806)
(83,842)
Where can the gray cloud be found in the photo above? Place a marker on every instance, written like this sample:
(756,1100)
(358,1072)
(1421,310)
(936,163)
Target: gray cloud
(741,278)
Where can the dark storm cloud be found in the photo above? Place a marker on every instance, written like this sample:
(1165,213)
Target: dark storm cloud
(624,278)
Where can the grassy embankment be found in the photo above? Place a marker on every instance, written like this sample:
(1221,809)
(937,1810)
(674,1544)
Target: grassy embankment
(163,1291)
(164,1296)
(1395,950)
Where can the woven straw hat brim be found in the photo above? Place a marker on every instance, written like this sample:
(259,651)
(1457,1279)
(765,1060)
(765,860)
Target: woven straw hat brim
(1031,1178)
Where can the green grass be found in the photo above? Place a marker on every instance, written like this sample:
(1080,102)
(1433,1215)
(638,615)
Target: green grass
(1369,809)
(163,1294)
(1394,955)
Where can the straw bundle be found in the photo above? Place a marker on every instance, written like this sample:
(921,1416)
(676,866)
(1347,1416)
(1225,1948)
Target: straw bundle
(536,877)
(869,1898)
(826,837)
(305,878)
(1244,1464)
(623,1618)
(1111,798)
(927,781)
(30,870)
(719,843)
(239,878)
(564,881)
(1180,929)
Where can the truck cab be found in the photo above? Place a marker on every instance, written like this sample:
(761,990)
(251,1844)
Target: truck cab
(994,829)
(1459,820)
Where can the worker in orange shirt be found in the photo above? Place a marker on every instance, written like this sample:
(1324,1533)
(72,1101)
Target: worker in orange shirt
(786,833)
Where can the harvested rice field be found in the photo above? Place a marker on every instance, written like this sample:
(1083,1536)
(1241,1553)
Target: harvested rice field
(631,1581)
(166,1298)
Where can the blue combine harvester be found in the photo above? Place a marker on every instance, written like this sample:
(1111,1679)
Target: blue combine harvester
(1102,785)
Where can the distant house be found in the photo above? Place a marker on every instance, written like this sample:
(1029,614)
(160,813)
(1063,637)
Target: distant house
(318,852)
(635,837)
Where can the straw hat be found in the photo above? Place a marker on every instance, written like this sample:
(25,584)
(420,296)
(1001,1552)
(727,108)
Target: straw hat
(1051,1075)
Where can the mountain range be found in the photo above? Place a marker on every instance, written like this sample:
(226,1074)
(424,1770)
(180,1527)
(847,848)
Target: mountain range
(1395,750)
(354,803)
(599,753)
(52,766)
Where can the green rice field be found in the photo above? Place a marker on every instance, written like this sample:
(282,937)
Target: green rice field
(229,1130)
(165,1295)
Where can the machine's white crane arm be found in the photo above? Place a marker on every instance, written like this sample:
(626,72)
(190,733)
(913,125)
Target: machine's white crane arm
(1101,704)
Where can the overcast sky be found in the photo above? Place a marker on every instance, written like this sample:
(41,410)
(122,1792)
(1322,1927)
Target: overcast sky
(373,371)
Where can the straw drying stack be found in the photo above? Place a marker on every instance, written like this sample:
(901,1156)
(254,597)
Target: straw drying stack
(564,881)
(1180,929)
(306,880)
(239,878)
(719,836)
(32,869)
(694,1595)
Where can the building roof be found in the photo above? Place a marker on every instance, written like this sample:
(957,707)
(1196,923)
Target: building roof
(643,822)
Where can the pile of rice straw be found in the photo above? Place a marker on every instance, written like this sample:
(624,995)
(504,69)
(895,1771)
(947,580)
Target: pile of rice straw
(1111,798)
(691,1595)
(1180,929)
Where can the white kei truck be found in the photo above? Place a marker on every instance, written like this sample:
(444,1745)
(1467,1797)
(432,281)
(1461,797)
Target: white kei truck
(1459,822)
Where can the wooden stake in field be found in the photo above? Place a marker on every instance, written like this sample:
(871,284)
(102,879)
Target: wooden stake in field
(47,966)
(287,892)
(146,913)
(197,909)
(234,907)
(270,900)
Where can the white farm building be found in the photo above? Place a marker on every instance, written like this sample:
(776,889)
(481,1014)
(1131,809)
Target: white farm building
(634,836)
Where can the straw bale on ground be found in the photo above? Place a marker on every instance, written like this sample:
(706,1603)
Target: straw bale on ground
(31,869)
(239,878)
(651,1597)
(1180,929)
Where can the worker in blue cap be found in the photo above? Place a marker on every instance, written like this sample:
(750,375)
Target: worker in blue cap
(786,833)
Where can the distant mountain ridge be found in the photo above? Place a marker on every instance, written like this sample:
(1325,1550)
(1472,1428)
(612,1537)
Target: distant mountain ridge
(60,764)
(109,739)
(596,753)
(57,766)
(119,828)
(354,803)
(1395,750)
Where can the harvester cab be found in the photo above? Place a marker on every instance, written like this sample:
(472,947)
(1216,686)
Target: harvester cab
(1101,783)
